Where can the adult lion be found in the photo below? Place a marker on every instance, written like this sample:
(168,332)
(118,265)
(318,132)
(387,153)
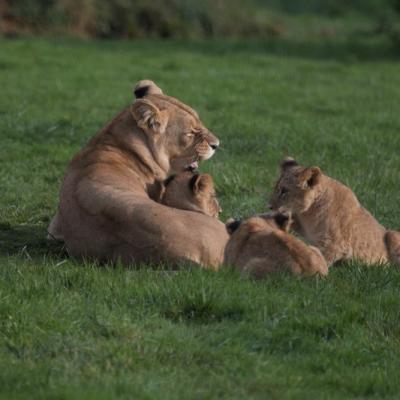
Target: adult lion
(106,211)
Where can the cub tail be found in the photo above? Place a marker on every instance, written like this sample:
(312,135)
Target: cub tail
(392,240)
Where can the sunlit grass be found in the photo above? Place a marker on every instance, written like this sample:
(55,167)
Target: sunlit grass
(69,330)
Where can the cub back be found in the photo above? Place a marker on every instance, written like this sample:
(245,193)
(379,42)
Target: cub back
(262,245)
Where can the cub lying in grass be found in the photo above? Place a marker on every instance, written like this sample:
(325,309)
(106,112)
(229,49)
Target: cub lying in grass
(191,191)
(328,214)
(262,245)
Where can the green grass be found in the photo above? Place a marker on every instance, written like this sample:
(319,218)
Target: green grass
(71,331)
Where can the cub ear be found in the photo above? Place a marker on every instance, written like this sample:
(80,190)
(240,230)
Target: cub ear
(149,117)
(287,163)
(283,220)
(232,224)
(146,87)
(200,182)
(310,177)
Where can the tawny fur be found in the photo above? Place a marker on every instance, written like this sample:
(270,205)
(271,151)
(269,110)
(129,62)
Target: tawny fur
(106,211)
(193,192)
(262,245)
(329,216)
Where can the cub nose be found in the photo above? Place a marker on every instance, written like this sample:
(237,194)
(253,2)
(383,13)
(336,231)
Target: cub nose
(214,146)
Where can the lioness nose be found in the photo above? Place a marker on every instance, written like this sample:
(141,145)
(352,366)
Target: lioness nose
(214,146)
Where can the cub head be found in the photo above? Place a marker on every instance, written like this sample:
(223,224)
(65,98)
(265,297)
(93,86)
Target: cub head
(177,137)
(265,222)
(296,188)
(193,192)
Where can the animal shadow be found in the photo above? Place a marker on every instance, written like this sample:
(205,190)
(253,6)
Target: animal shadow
(29,241)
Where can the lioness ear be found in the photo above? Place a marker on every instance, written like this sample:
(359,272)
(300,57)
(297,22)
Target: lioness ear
(149,117)
(200,182)
(283,220)
(146,87)
(232,224)
(310,177)
(287,163)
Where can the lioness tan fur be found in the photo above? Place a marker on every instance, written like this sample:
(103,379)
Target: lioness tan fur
(328,214)
(193,192)
(262,245)
(106,211)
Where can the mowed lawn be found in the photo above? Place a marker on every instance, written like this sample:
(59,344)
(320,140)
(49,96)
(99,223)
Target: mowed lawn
(69,330)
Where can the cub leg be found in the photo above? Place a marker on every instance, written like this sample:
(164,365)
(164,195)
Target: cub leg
(317,263)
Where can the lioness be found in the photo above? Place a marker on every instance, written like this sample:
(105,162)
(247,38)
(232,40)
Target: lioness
(191,191)
(262,245)
(106,211)
(329,215)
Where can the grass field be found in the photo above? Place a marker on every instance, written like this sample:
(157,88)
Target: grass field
(71,331)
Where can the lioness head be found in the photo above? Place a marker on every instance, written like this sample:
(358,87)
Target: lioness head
(193,192)
(174,130)
(296,188)
(263,222)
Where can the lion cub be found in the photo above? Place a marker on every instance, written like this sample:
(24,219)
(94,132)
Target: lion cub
(191,191)
(328,214)
(262,245)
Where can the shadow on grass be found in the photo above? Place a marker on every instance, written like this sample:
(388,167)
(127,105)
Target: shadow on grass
(192,312)
(28,241)
(342,50)
(356,47)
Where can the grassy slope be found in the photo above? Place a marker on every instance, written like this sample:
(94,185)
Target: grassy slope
(69,331)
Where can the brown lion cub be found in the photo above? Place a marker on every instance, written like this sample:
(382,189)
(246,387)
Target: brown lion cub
(262,245)
(191,191)
(328,214)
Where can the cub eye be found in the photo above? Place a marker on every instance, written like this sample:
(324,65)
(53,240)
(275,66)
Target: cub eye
(283,191)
